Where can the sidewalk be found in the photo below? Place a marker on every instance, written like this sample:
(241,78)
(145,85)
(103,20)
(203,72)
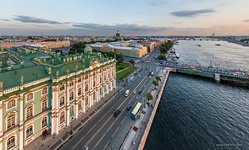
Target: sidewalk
(54,142)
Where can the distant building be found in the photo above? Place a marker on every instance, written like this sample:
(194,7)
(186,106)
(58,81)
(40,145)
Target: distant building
(42,93)
(128,48)
(39,44)
(119,37)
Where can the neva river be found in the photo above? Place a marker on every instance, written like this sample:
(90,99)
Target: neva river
(198,114)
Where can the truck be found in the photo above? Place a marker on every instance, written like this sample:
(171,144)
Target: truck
(127,92)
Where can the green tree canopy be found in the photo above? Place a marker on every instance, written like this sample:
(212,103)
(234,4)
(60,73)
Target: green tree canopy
(165,46)
(158,78)
(132,62)
(77,48)
(155,83)
(149,96)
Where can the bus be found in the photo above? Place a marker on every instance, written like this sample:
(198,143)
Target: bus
(136,111)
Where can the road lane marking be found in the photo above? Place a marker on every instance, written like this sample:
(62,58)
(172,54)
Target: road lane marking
(134,96)
(115,132)
(123,120)
(107,113)
(107,129)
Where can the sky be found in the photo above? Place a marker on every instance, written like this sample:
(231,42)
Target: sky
(130,17)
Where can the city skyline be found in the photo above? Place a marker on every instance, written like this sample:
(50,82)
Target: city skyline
(150,17)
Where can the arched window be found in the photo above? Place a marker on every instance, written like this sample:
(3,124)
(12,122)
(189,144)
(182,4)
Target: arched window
(44,105)
(11,103)
(79,105)
(86,76)
(62,117)
(29,112)
(30,96)
(79,91)
(44,122)
(71,96)
(62,87)
(94,95)
(71,83)
(100,80)
(86,87)
(94,83)
(11,120)
(71,110)
(44,90)
(11,142)
(29,131)
(86,100)
(79,79)
(62,101)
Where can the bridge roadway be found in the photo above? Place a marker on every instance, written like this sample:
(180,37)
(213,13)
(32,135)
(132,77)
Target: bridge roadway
(211,70)
(103,130)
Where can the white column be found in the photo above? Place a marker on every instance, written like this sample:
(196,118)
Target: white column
(107,88)
(76,98)
(83,106)
(90,82)
(21,139)
(76,109)
(98,95)
(114,83)
(55,121)
(21,129)
(91,100)
(83,85)
(68,106)
(111,85)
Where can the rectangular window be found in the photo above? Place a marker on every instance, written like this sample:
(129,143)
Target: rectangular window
(11,104)
(44,90)
(79,80)
(30,96)
(62,88)
(71,84)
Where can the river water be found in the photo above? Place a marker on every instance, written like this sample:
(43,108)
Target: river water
(198,114)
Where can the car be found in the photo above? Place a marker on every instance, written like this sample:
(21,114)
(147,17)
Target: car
(140,92)
(85,148)
(128,108)
(116,113)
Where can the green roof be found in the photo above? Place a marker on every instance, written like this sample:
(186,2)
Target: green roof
(35,67)
(13,78)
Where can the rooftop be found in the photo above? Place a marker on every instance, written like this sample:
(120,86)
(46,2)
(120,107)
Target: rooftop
(31,65)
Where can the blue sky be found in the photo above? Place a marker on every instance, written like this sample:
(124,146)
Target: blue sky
(131,17)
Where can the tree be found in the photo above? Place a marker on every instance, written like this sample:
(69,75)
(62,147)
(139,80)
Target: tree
(155,83)
(161,57)
(77,48)
(149,96)
(132,62)
(120,58)
(158,78)
(165,46)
